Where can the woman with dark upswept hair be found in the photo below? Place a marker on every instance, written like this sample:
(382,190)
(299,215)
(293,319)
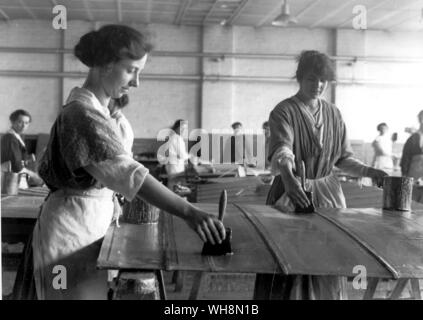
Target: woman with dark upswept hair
(306,128)
(85,164)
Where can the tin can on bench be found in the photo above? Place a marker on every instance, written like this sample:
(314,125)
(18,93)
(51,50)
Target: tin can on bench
(397,193)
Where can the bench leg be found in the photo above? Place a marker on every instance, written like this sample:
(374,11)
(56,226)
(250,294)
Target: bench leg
(198,279)
(371,288)
(415,286)
(399,288)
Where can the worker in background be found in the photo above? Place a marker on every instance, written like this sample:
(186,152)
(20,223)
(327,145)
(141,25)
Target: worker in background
(240,151)
(14,154)
(412,159)
(382,146)
(266,131)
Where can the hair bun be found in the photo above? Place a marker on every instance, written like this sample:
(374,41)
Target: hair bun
(86,49)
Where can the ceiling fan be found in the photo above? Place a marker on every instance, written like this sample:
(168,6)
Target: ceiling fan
(284,19)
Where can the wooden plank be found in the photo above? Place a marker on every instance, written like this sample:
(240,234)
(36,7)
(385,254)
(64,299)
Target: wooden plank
(35,192)
(243,190)
(395,236)
(310,245)
(250,252)
(140,247)
(26,207)
(132,246)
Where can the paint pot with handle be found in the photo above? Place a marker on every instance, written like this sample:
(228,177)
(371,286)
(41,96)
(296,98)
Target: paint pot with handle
(224,248)
(139,211)
(397,193)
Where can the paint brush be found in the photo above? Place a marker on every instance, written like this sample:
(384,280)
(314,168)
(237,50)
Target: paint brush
(309,194)
(224,248)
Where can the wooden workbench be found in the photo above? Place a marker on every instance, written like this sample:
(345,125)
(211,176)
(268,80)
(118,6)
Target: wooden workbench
(266,241)
(18,216)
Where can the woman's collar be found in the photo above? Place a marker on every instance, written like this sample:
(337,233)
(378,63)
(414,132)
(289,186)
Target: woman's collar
(17,135)
(85,96)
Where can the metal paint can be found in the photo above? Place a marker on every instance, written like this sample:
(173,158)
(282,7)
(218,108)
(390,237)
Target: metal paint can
(9,183)
(397,193)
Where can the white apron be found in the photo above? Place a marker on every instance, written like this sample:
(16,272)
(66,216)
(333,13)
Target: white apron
(68,236)
(327,193)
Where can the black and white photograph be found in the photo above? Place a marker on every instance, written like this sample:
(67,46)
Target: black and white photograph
(228,151)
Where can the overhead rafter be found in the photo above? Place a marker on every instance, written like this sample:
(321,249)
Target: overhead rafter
(149,11)
(372,8)
(27,9)
(4,15)
(332,13)
(119,10)
(88,10)
(394,13)
(406,19)
(275,12)
(211,10)
(307,8)
(182,10)
(237,12)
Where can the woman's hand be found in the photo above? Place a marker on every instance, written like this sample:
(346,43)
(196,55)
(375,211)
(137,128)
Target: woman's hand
(295,192)
(207,226)
(377,175)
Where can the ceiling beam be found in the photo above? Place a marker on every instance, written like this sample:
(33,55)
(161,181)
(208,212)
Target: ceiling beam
(182,10)
(211,10)
(275,12)
(376,6)
(237,12)
(149,11)
(409,18)
(119,10)
(394,13)
(27,9)
(331,14)
(4,15)
(88,10)
(307,8)
(99,11)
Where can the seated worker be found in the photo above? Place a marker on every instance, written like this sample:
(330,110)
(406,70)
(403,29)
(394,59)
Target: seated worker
(14,155)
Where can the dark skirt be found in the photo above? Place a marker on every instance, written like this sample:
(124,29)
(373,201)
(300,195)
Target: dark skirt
(24,287)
